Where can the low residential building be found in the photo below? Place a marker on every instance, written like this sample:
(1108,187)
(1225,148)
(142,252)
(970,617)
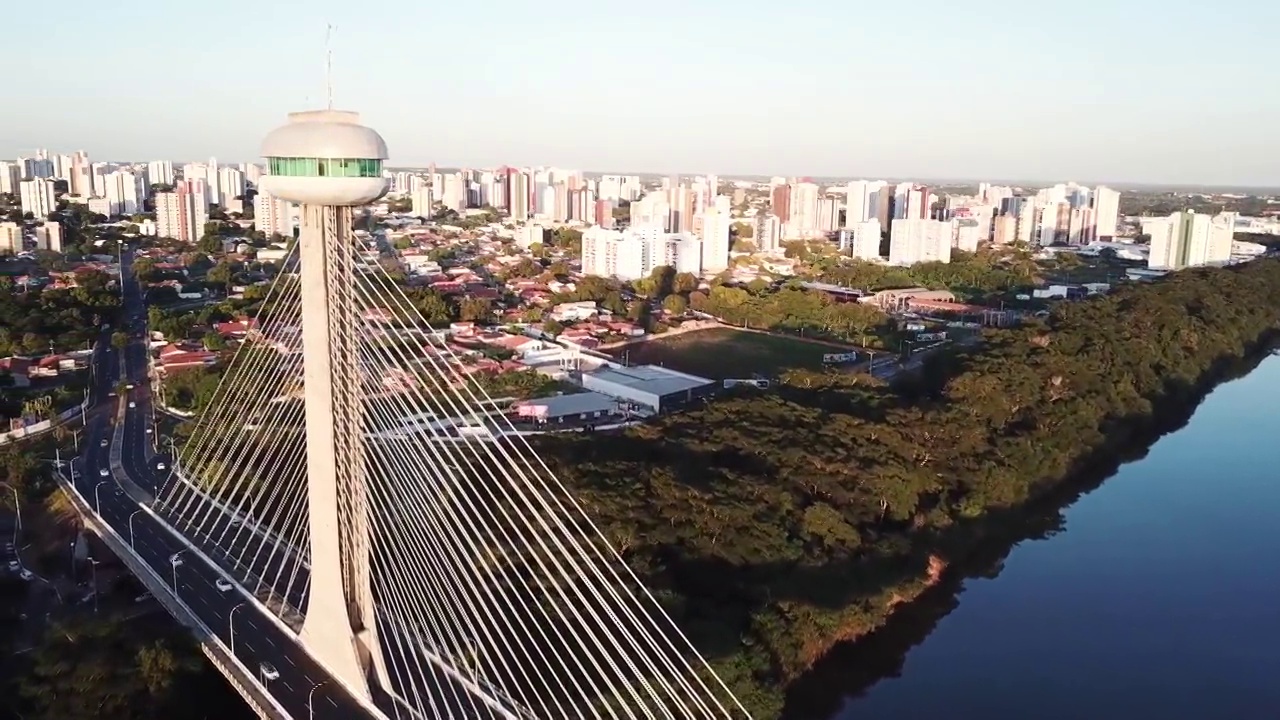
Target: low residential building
(176,356)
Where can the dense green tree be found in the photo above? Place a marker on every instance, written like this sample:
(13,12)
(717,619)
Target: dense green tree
(473,309)
(775,524)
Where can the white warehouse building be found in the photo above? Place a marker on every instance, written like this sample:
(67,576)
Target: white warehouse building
(657,388)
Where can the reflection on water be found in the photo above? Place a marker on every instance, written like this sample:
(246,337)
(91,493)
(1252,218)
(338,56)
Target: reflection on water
(1161,599)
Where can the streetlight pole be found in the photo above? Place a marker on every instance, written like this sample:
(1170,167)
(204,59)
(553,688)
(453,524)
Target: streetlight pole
(231,620)
(93,568)
(131,517)
(311,713)
(175,561)
(97,499)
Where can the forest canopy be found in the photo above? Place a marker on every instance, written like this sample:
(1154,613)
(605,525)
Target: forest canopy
(774,525)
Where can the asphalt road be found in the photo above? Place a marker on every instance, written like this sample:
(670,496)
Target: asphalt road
(254,639)
(303,687)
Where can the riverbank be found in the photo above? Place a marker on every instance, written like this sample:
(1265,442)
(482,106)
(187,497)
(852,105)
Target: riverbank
(850,668)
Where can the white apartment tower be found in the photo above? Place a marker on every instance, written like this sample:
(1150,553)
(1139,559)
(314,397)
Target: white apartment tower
(768,232)
(422,201)
(1106,213)
(915,240)
(635,253)
(10,178)
(49,237)
(715,236)
(160,172)
(272,215)
(803,203)
(123,192)
(182,213)
(10,238)
(1189,239)
(37,197)
(230,184)
(864,240)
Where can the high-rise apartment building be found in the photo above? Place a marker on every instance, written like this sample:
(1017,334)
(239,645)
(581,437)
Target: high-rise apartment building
(200,172)
(780,201)
(10,178)
(10,238)
(272,215)
(803,208)
(422,200)
(966,233)
(98,179)
(653,209)
(914,240)
(715,237)
(1006,229)
(123,192)
(81,182)
(862,201)
(214,184)
(160,172)
(1189,239)
(182,213)
(768,233)
(1106,213)
(49,237)
(864,240)
(828,219)
(230,184)
(635,252)
(517,183)
(37,197)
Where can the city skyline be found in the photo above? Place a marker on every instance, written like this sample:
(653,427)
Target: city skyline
(838,91)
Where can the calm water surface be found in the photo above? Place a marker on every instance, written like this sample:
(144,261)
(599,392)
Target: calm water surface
(1160,599)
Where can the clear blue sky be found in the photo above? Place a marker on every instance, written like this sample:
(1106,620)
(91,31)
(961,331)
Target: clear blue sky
(1114,90)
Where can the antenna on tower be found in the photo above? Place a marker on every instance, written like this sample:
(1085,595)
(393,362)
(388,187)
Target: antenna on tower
(328,63)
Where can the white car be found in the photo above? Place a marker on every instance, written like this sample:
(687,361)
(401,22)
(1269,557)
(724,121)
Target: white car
(129,386)
(160,466)
(269,671)
(133,404)
(14,566)
(26,574)
(104,443)
(103,472)
(223,585)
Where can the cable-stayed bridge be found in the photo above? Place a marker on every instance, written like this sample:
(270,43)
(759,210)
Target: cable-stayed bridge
(349,528)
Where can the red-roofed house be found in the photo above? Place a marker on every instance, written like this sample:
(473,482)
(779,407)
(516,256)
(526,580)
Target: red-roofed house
(19,368)
(236,328)
(177,357)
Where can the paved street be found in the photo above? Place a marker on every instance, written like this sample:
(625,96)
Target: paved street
(116,436)
(254,638)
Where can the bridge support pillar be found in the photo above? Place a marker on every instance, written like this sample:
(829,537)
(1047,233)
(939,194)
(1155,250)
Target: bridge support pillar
(340,627)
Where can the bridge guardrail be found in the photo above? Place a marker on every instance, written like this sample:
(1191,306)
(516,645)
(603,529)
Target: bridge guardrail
(235,671)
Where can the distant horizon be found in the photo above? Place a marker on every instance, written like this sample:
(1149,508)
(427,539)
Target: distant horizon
(1131,186)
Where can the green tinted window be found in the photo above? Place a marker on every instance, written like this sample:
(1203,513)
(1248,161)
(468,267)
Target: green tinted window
(324,167)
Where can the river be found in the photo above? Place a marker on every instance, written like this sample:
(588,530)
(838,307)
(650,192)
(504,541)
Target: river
(1156,595)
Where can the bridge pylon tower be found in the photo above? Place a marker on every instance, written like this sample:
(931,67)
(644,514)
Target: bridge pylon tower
(329,163)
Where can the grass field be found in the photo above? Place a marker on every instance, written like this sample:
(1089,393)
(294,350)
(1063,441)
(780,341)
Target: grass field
(720,353)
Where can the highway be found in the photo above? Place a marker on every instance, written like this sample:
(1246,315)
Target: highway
(303,687)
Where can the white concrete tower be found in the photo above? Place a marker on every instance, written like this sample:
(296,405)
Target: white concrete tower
(328,163)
